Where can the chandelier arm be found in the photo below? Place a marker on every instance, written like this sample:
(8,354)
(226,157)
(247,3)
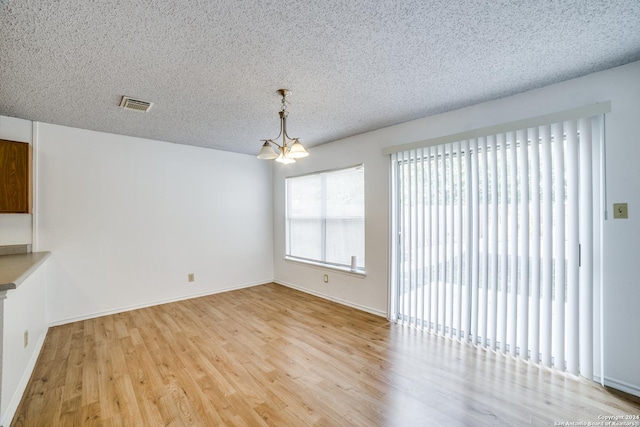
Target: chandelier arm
(285,137)
(282,130)
(271,141)
(284,127)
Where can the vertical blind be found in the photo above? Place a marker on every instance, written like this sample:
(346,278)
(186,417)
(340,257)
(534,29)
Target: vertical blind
(325,217)
(493,241)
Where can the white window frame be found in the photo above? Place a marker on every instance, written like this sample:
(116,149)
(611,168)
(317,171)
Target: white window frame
(358,271)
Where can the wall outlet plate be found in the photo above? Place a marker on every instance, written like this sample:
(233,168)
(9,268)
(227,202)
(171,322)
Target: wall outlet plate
(191,277)
(326,278)
(620,211)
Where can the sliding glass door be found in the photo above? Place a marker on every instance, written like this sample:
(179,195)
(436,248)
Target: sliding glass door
(494,241)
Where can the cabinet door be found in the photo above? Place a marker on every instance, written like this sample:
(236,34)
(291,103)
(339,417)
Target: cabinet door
(15,177)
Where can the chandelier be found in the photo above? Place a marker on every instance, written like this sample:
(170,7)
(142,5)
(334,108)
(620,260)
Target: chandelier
(290,149)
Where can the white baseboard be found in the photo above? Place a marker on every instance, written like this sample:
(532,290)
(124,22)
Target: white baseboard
(334,299)
(598,379)
(622,386)
(24,381)
(151,304)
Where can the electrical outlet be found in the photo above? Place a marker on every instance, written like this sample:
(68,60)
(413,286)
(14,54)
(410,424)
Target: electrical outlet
(326,278)
(26,339)
(191,277)
(620,210)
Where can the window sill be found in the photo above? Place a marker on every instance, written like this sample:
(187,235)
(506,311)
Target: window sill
(345,270)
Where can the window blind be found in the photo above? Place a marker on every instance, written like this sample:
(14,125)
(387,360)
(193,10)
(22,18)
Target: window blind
(325,218)
(493,241)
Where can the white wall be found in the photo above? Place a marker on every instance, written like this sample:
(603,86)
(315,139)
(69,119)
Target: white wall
(367,293)
(621,290)
(24,310)
(126,220)
(15,229)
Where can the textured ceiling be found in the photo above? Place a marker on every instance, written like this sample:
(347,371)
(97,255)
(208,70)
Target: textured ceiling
(212,67)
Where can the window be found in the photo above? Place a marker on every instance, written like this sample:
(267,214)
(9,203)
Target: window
(493,240)
(325,218)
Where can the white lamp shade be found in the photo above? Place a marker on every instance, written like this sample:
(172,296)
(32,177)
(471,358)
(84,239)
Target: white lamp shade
(297,151)
(267,152)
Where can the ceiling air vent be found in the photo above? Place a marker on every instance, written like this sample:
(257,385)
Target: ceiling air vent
(135,104)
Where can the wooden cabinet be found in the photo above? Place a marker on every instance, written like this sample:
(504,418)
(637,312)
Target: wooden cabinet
(15,177)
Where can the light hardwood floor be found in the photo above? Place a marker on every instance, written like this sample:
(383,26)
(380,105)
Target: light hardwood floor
(270,355)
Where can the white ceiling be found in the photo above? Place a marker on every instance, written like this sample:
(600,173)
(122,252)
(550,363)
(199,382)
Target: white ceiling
(212,67)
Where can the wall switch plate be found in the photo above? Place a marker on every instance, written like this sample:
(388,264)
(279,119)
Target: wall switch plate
(620,210)
(326,278)
(191,277)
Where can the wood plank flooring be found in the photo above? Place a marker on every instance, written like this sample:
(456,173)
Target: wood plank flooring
(272,356)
